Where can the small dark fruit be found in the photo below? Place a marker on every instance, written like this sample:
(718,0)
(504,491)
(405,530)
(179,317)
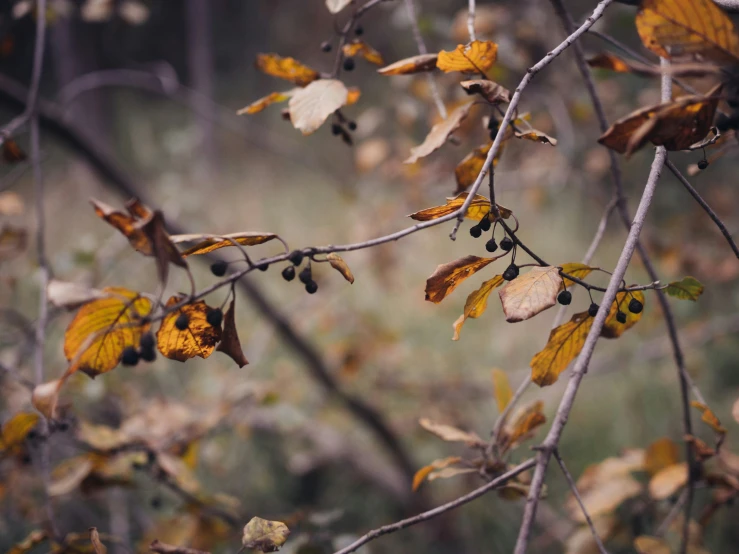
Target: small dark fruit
(214,317)
(148,354)
(491,245)
(475,231)
(335,129)
(296,257)
(593,309)
(703,164)
(288,273)
(620,317)
(564,297)
(156,502)
(311,287)
(326,46)
(147,341)
(306,275)
(635,306)
(359,30)
(485,224)
(506,244)
(182,322)
(219,268)
(348,64)
(352,125)
(262,267)
(511,272)
(130,356)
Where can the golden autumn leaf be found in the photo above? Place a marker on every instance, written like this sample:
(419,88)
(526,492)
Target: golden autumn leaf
(478,208)
(661,454)
(687,28)
(564,344)
(577,270)
(100,331)
(503,392)
(449,433)
(127,223)
(198,338)
(537,136)
(311,106)
(668,481)
(230,343)
(469,168)
(420,476)
(522,425)
(644,544)
(478,56)
(407,66)
(439,133)
(489,90)
(338,263)
(477,303)
(267,536)
(709,418)
(272,98)
(447,277)
(361,48)
(208,243)
(353,95)
(530,294)
(16,429)
(612,328)
(286,68)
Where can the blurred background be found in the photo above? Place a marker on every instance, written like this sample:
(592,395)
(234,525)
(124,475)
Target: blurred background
(321,429)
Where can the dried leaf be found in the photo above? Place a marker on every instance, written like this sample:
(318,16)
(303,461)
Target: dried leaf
(668,481)
(70,295)
(361,48)
(100,331)
(469,168)
(661,454)
(309,107)
(208,243)
(45,397)
(286,68)
(478,56)
(97,545)
(12,153)
(702,451)
(449,472)
(407,66)
(537,136)
(267,536)
(503,392)
(683,28)
(230,343)
(478,208)
(163,249)
(522,425)
(578,270)
(421,474)
(645,544)
(709,418)
(449,433)
(127,223)
(16,429)
(607,60)
(198,339)
(68,475)
(530,294)
(489,90)
(687,288)
(448,276)
(564,344)
(477,303)
(272,98)
(338,263)
(439,133)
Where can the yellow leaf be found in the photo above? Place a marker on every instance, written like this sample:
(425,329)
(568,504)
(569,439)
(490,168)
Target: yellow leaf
(661,454)
(668,481)
(439,133)
(645,544)
(564,344)
(612,328)
(209,243)
(267,536)
(311,106)
(709,418)
(338,263)
(415,64)
(286,68)
(537,136)
(502,386)
(577,270)
(199,338)
(530,294)
(103,328)
(449,433)
(353,96)
(682,28)
(272,98)
(422,473)
(478,56)
(361,48)
(477,303)
(489,90)
(16,429)
(129,224)
(478,208)
(448,276)
(469,168)
(230,343)
(522,425)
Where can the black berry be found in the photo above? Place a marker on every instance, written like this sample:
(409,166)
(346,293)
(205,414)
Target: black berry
(156,502)
(148,354)
(564,297)
(491,245)
(348,64)
(288,273)
(311,287)
(335,129)
(352,125)
(63,426)
(511,272)
(493,126)
(214,317)
(593,309)
(359,30)
(182,322)
(506,244)
(147,341)
(475,231)
(485,224)
(262,267)
(635,307)
(326,46)
(620,317)
(130,356)
(703,164)
(296,257)
(306,275)
(219,268)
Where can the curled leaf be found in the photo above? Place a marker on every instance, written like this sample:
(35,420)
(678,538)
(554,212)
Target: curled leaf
(309,107)
(264,535)
(208,243)
(364,50)
(97,544)
(286,68)
(420,476)
(478,56)
(489,90)
(478,208)
(129,224)
(447,277)
(439,133)
(521,426)
(449,433)
(709,418)
(199,338)
(45,397)
(407,66)
(230,343)
(531,293)
(537,136)
(338,263)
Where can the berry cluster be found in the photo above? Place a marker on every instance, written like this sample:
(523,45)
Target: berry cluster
(306,274)
(146,351)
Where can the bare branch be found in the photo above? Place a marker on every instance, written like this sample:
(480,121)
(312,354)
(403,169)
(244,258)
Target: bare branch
(471,20)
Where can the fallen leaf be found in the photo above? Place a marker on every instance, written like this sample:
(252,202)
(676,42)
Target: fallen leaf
(420,475)
(208,243)
(502,387)
(449,433)
(335,6)
(668,481)
(272,98)
(407,66)
(477,303)
(311,106)
(489,90)
(530,294)
(267,536)
(16,429)
(478,56)
(198,339)
(361,48)
(709,418)
(447,277)
(230,343)
(661,454)
(338,263)
(478,208)
(687,288)
(439,133)
(537,136)
(286,68)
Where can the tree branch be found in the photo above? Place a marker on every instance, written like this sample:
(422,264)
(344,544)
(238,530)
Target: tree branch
(413,15)
(471,20)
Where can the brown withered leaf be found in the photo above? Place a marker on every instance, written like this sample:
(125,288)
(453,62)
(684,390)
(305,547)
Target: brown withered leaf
(477,303)
(522,425)
(129,224)
(407,66)
(612,328)
(537,136)
(668,481)
(607,60)
(661,454)
(564,344)
(338,263)
(200,337)
(469,168)
(12,153)
(311,106)
(230,343)
(420,476)
(272,98)
(69,474)
(709,418)
(478,208)
(701,450)
(286,68)
(13,241)
(478,56)
(361,48)
(264,535)
(208,243)
(45,397)
(502,387)
(489,90)
(16,429)
(439,133)
(531,293)
(103,328)
(687,28)
(163,249)
(448,276)
(449,433)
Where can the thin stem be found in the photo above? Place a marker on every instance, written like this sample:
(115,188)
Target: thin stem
(471,20)
(413,15)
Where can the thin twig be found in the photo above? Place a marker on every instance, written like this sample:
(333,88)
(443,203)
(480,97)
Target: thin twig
(672,514)
(413,15)
(471,20)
